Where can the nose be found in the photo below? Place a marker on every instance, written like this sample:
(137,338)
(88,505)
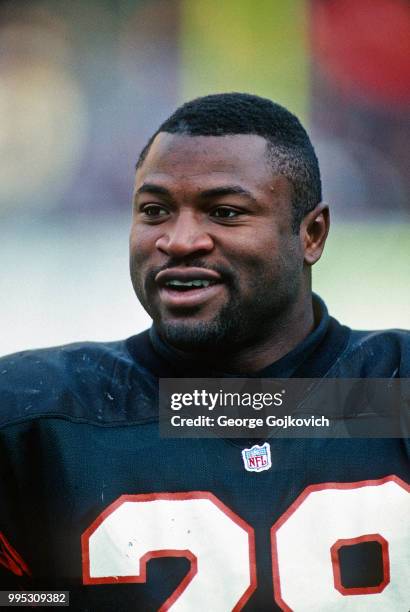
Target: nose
(185,237)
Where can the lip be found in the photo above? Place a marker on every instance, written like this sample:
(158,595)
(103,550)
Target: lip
(186,274)
(172,298)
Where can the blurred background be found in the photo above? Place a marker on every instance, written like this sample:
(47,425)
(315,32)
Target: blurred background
(84,84)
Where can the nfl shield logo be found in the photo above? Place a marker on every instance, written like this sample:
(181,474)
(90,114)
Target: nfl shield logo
(257,458)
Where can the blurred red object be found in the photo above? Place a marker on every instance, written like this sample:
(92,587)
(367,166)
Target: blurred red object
(364,45)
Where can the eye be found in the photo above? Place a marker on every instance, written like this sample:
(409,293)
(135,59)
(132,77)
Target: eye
(153,211)
(225,212)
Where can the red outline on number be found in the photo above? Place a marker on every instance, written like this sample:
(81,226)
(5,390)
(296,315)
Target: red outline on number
(10,558)
(87,579)
(298,502)
(334,552)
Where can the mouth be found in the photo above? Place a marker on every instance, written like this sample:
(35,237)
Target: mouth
(188,287)
(184,286)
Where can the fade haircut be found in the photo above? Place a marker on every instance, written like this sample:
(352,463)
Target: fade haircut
(289,150)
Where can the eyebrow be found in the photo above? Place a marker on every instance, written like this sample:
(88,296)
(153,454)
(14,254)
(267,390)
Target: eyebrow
(152,188)
(214,192)
(226,191)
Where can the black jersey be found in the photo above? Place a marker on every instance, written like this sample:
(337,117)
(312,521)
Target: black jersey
(94,501)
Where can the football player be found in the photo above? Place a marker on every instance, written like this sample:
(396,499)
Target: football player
(228,220)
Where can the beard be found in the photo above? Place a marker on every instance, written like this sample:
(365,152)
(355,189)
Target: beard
(239,323)
(205,336)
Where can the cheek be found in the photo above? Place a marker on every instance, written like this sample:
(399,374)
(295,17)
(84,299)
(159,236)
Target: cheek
(257,256)
(138,254)
(270,261)
(142,242)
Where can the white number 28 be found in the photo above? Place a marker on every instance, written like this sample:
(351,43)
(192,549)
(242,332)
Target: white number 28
(221,548)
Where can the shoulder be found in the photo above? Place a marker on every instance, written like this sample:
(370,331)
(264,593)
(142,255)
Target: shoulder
(55,364)
(376,354)
(86,380)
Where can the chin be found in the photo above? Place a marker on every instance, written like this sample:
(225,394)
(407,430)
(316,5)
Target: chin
(194,336)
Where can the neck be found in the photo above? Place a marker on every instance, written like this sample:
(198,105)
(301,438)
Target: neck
(275,344)
(282,337)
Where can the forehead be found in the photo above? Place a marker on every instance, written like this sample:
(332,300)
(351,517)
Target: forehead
(242,156)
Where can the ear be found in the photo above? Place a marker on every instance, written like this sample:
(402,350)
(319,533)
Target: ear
(313,233)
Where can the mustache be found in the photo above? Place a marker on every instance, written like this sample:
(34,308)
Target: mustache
(227,275)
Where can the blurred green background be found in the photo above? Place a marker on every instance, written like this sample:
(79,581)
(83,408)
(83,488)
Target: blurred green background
(83,85)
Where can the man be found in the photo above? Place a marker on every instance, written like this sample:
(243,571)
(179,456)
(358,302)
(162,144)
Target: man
(227,222)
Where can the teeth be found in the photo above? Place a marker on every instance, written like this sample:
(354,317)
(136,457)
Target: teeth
(193,283)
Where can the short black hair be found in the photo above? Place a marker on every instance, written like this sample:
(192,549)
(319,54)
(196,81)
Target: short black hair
(289,148)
